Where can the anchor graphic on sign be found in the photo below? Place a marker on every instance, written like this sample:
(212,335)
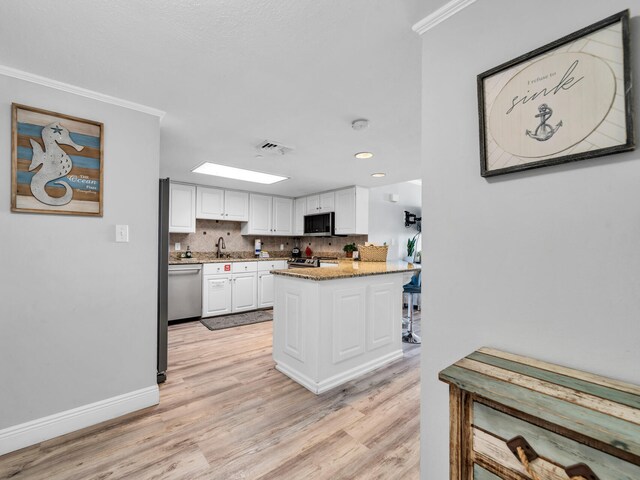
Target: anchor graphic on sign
(544,131)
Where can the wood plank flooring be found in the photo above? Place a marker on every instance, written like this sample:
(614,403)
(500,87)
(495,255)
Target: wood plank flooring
(226,413)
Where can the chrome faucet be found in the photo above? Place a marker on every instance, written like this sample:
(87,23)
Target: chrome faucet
(223,246)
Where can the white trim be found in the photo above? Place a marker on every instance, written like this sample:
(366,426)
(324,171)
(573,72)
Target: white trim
(339,379)
(440,15)
(65,87)
(41,429)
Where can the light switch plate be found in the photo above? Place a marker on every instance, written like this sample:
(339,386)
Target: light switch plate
(177,247)
(122,233)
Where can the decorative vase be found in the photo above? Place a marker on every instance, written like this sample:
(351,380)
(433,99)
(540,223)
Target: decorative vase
(349,254)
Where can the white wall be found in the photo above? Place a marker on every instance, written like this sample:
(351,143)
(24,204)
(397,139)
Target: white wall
(544,263)
(78,311)
(386,219)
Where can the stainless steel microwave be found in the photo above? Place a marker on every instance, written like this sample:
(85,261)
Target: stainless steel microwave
(320,225)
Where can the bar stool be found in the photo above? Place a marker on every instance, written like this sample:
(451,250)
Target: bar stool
(412,288)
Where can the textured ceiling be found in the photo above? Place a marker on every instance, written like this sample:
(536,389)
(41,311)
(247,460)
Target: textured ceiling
(231,73)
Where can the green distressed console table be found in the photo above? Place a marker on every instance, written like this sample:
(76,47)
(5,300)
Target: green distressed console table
(517,418)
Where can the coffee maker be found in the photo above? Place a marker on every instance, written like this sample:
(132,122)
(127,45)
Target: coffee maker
(295,253)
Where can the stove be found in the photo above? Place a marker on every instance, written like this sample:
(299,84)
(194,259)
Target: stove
(304,262)
(307,262)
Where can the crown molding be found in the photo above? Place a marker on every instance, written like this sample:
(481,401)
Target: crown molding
(440,15)
(83,92)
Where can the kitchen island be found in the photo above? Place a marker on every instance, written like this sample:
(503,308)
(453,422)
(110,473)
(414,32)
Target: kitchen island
(334,324)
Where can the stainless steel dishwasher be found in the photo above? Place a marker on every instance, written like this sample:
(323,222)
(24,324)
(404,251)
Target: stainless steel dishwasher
(184,297)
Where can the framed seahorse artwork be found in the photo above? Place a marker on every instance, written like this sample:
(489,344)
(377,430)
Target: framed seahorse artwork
(57,163)
(566,101)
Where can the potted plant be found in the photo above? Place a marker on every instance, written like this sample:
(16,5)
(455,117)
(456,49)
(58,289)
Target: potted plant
(411,247)
(349,248)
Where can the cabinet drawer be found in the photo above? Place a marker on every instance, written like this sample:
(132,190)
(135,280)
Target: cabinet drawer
(272,265)
(216,268)
(492,429)
(241,267)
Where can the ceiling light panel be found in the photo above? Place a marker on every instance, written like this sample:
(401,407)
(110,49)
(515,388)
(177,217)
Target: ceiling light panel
(364,155)
(226,171)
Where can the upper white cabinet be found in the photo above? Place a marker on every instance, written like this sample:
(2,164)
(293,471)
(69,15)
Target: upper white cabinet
(299,211)
(352,211)
(182,208)
(269,216)
(236,206)
(218,204)
(321,203)
(282,216)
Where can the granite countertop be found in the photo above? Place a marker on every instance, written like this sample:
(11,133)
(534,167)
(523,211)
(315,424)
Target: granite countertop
(211,258)
(349,269)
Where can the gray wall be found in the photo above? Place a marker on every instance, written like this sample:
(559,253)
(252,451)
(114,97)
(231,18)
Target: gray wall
(78,311)
(386,218)
(543,263)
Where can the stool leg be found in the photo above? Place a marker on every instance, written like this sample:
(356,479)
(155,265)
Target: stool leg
(409,336)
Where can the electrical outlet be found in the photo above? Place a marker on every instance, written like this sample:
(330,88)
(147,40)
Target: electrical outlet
(122,233)
(177,247)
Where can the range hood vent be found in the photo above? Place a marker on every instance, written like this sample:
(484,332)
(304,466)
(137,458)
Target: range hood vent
(269,147)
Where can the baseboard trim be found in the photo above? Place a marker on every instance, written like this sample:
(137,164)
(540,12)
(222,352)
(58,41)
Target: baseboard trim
(336,380)
(45,428)
(440,15)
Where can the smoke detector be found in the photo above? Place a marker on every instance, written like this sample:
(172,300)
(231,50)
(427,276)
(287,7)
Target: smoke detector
(269,147)
(360,124)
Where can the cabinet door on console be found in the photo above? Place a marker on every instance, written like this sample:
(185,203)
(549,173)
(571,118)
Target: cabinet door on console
(265,290)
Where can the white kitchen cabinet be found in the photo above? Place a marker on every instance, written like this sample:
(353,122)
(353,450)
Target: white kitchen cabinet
(321,203)
(352,211)
(299,211)
(236,206)
(282,216)
(218,204)
(182,208)
(244,295)
(265,281)
(265,290)
(269,216)
(216,295)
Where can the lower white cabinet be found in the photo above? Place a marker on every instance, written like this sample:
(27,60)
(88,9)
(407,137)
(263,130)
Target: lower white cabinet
(238,286)
(244,292)
(216,295)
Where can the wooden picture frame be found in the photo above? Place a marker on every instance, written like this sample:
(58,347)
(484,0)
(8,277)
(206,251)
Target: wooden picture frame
(566,101)
(56,163)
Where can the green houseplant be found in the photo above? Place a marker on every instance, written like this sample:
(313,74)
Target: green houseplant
(411,245)
(349,248)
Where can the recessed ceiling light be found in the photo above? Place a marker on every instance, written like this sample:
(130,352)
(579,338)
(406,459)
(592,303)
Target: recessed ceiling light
(225,171)
(363,155)
(378,175)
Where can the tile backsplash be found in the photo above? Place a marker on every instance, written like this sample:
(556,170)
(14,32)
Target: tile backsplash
(208,232)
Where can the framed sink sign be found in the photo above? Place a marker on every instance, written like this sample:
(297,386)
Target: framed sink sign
(566,101)
(56,164)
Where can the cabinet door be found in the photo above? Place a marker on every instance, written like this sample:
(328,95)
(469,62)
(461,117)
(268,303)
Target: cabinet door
(244,296)
(327,202)
(210,204)
(313,204)
(259,215)
(182,208)
(282,216)
(265,290)
(345,211)
(236,206)
(216,295)
(299,211)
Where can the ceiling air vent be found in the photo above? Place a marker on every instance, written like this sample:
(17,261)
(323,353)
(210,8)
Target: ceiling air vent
(273,148)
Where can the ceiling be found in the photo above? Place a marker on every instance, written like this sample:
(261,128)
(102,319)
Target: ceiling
(232,73)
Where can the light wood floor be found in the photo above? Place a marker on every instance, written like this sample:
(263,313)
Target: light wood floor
(226,413)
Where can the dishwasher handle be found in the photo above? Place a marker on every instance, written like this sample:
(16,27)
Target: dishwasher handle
(185,270)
